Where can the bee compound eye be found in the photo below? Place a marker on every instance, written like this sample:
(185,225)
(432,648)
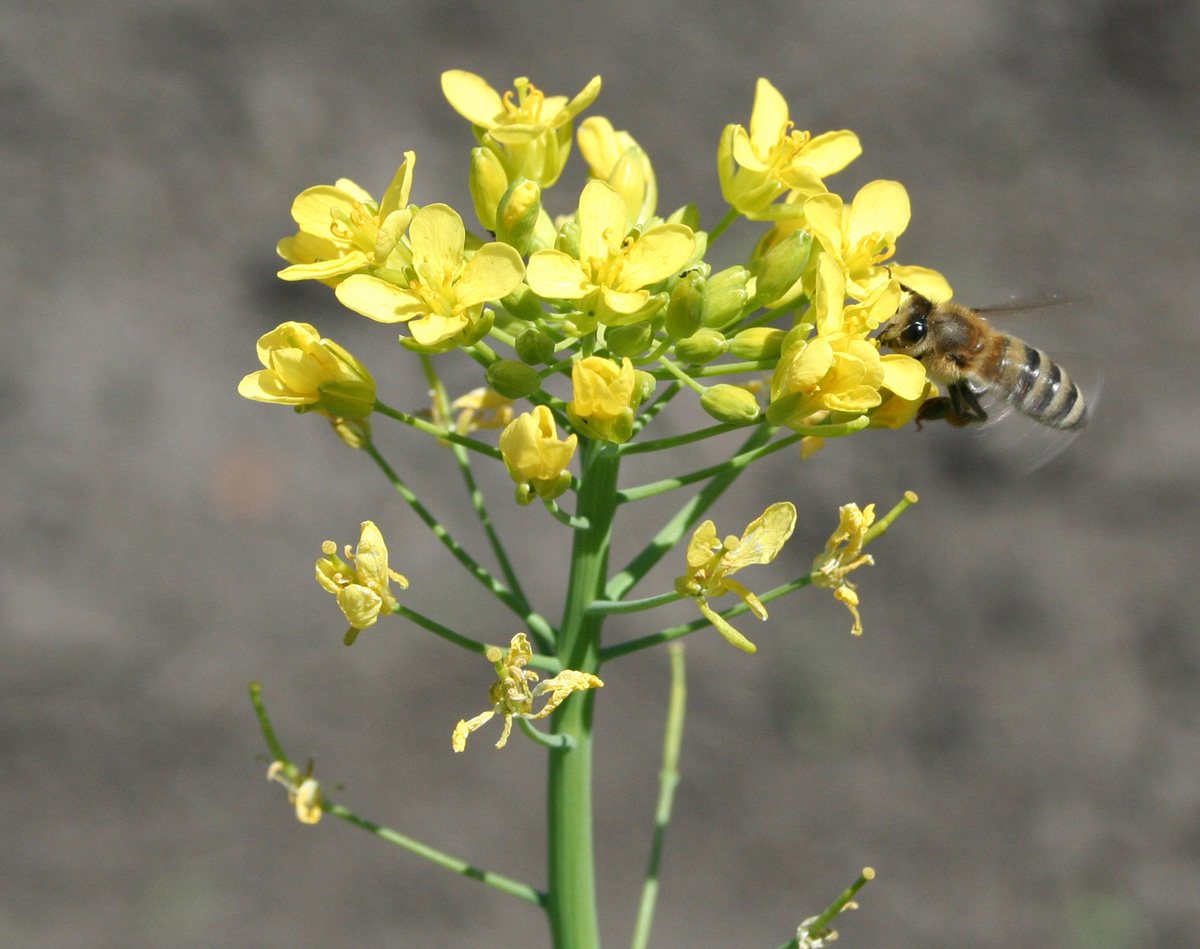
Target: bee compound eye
(913,333)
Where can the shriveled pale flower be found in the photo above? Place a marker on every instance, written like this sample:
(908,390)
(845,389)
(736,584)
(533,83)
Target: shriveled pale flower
(443,300)
(530,134)
(304,792)
(843,555)
(773,158)
(513,693)
(344,230)
(361,580)
(535,456)
(711,562)
(608,281)
(481,408)
(614,156)
(304,369)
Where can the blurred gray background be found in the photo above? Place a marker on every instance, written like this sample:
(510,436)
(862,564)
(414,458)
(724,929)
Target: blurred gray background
(1014,744)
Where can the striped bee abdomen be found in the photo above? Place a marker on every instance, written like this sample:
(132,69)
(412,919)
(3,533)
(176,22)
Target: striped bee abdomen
(1034,384)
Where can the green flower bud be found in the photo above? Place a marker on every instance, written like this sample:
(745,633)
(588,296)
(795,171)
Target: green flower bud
(689,214)
(534,347)
(544,233)
(644,386)
(523,303)
(517,214)
(568,239)
(782,267)
(702,346)
(631,340)
(727,403)
(726,297)
(758,342)
(688,306)
(487,182)
(512,379)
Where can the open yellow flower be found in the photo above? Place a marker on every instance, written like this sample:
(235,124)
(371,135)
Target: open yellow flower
(361,581)
(343,229)
(535,456)
(304,369)
(531,135)
(615,157)
(843,554)
(444,299)
(756,167)
(712,562)
(513,693)
(608,280)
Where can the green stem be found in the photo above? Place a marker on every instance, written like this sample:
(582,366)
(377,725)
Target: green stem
(264,724)
(651,409)
(500,882)
(681,523)
(881,525)
(574,522)
(668,780)
(730,216)
(541,738)
(546,663)
(736,463)
(571,871)
(633,606)
(681,376)
(674,441)
(429,428)
(815,928)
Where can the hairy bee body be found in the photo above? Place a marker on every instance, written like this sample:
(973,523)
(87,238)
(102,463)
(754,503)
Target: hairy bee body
(961,350)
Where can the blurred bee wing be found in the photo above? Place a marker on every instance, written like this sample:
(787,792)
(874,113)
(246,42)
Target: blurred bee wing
(1022,444)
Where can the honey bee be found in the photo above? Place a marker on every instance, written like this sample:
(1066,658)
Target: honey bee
(961,350)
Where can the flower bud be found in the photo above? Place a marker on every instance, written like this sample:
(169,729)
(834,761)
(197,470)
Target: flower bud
(782,267)
(568,238)
(644,385)
(758,342)
(517,214)
(512,379)
(726,296)
(523,303)
(702,346)
(688,305)
(534,347)
(631,340)
(488,182)
(729,403)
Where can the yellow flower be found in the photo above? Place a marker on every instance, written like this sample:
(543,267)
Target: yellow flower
(535,456)
(607,281)
(615,157)
(513,692)
(304,791)
(839,369)
(444,299)
(757,167)
(343,230)
(896,411)
(304,369)
(711,563)
(481,408)
(531,136)
(842,554)
(605,395)
(361,581)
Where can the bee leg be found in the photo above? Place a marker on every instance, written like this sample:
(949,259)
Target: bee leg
(964,405)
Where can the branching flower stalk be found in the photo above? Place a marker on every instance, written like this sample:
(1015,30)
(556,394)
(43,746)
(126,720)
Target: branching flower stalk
(620,307)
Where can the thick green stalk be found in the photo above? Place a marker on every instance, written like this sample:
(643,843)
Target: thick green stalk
(571,876)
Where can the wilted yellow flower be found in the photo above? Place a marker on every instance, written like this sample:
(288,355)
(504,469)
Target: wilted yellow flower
(608,280)
(444,299)
(843,554)
(304,793)
(513,692)
(712,562)
(615,157)
(757,167)
(343,229)
(531,136)
(481,408)
(605,394)
(535,456)
(361,580)
(304,369)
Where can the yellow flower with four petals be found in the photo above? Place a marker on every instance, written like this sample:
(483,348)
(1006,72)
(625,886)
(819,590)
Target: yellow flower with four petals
(361,581)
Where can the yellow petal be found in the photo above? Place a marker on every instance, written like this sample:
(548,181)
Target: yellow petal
(266,386)
(903,375)
(830,152)
(768,120)
(495,271)
(396,195)
(764,537)
(360,604)
(601,221)
(659,253)
(809,366)
(928,283)
(743,152)
(585,98)
(557,276)
(379,300)
(472,98)
(437,236)
(830,296)
(326,269)
(371,557)
(311,209)
(880,207)
(823,215)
